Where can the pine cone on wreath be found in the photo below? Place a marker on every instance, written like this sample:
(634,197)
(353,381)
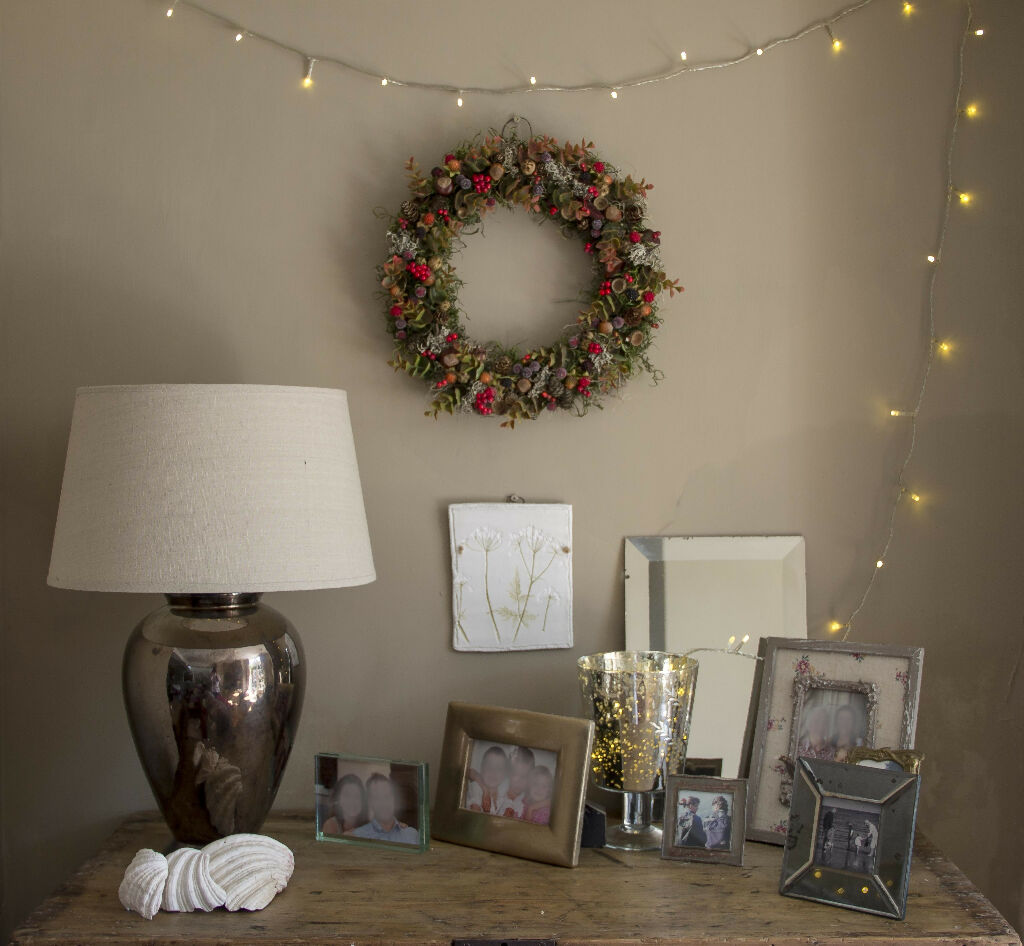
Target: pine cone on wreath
(410,211)
(503,365)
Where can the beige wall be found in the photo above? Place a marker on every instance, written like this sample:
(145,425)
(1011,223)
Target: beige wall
(175,208)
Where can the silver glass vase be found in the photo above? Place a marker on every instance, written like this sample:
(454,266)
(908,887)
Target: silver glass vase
(213,686)
(641,703)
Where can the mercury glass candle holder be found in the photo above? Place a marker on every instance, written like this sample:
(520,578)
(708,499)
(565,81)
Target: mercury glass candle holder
(641,703)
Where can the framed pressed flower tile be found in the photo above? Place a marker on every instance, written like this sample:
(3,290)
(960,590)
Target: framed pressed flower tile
(511,576)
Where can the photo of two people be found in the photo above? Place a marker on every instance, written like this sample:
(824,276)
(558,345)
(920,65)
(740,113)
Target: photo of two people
(507,781)
(832,723)
(368,800)
(704,820)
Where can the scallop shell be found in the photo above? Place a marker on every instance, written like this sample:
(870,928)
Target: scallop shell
(189,884)
(142,888)
(251,868)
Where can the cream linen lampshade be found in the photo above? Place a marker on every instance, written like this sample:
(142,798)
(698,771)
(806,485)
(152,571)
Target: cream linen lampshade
(202,488)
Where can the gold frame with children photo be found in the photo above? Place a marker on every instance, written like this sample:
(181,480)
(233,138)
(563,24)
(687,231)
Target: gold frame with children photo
(514,782)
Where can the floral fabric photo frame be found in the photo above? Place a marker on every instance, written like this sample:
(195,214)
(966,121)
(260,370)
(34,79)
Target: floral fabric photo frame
(822,700)
(511,576)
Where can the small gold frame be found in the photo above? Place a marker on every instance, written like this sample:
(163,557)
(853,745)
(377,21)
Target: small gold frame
(907,759)
(557,842)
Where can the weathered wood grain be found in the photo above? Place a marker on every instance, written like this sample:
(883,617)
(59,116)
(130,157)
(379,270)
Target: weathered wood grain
(343,894)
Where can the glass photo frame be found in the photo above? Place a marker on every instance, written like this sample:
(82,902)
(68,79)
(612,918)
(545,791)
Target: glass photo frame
(377,802)
(851,836)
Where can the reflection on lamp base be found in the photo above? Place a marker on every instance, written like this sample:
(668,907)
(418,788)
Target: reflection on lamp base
(636,833)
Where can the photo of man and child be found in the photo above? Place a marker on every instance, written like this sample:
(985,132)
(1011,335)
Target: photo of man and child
(848,837)
(832,723)
(368,800)
(510,781)
(704,820)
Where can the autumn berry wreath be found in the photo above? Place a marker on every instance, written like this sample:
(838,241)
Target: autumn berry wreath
(568,185)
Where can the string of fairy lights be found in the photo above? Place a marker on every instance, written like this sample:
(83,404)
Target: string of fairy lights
(937,347)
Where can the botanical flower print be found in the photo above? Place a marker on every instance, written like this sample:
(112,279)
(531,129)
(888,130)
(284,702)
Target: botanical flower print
(511,568)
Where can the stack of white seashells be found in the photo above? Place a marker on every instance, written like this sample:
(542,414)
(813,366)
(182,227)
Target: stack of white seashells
(239,872)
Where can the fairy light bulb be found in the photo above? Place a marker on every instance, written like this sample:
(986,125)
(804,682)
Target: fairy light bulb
(908,9)
(964,197)
(458,101)
(835,626)
(170,9)
(931,257)
(915,497)
(979,32)
(879,563)
(383,80)
(972,110)
(238,37)
(615,93)
(682,55)
(759,51)
(533,80)
(307,81)
(837,44)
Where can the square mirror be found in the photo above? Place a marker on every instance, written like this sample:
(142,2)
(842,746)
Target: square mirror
(690,592)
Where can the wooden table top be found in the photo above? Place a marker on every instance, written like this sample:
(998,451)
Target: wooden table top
(359,896)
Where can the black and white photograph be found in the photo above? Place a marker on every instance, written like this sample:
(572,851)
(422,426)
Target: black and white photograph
(705,819)
(366,800)
(508,781)
(847,837)
(833,723)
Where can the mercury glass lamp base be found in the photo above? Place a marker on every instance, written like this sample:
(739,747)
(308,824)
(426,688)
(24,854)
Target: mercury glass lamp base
(213,686)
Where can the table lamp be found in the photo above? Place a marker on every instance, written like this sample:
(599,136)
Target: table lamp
(211,494)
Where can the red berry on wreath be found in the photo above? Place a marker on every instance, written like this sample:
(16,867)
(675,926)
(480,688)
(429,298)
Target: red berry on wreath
(395,310)
(634,236)
(648,296)
(599,166)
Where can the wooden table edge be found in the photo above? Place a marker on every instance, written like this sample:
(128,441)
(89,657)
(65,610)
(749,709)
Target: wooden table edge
(952,879)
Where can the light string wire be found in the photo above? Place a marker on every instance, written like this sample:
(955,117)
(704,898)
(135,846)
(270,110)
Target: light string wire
(824,24)
(934,259)
(240,32)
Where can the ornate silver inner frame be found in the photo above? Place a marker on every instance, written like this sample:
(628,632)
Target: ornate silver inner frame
(802,685)
(850,838)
